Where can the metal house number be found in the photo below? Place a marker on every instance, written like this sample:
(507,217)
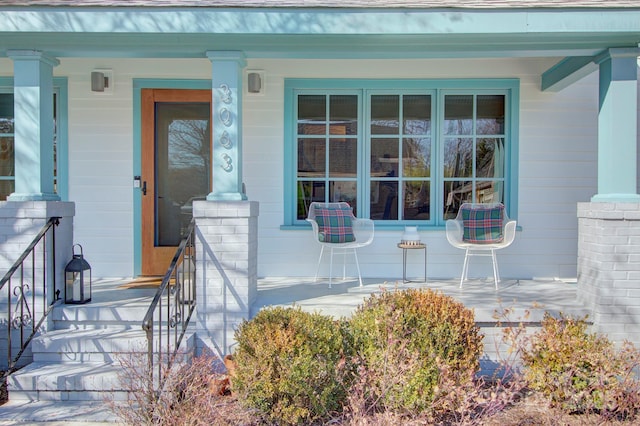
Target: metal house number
(226,119)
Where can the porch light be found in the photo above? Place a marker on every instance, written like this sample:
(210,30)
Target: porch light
(77,279)
(102,81)
(255,82)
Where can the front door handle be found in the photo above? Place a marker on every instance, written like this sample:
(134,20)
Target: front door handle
(144,188)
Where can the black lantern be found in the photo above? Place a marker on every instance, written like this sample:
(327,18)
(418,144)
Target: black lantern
(77,278)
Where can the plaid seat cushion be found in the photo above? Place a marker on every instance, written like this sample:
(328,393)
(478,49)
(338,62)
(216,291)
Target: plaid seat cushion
(335,225)
(482,224)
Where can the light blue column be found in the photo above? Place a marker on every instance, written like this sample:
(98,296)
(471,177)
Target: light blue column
(226,110)
(617,126)
(33,109)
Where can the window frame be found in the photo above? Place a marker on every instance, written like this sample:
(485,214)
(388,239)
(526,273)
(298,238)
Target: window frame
(60,91)
(438,88)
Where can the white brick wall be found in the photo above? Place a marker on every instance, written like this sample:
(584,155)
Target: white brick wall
(609,267)
(20,222)
(227,272)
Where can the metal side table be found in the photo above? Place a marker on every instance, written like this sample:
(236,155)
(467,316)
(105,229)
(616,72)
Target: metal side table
(405,247)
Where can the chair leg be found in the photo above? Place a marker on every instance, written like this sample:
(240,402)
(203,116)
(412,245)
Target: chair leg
(496,275)
(318,266)
(330,267)
(355,254)
(465,267)
(344,265)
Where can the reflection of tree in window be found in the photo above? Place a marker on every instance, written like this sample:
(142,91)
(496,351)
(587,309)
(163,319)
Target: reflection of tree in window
(189,159)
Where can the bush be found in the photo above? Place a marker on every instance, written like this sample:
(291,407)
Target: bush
(406,340)
(192,394)
(290,365)
(581,372)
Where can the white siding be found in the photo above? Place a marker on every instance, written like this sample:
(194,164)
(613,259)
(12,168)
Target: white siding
(558,165)
(558,154)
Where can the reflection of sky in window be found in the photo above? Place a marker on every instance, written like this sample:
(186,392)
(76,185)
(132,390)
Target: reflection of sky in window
(186,138)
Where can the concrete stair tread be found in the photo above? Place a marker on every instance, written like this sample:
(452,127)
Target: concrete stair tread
(68,413)
(70,381)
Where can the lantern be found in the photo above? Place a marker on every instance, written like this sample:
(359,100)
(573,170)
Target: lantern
(77,279)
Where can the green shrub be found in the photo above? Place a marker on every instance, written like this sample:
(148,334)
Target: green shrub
(405,340)
(580,371)
(290,365)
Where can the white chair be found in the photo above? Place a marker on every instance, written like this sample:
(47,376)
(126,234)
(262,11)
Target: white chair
(481,229)
(336,228)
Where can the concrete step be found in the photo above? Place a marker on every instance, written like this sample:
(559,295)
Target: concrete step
(80,381)
(107,344)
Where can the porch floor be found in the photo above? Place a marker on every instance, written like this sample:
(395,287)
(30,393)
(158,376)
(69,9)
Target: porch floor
(535,296)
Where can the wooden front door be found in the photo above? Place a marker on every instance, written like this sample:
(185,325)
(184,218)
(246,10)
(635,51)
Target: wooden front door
(176,169)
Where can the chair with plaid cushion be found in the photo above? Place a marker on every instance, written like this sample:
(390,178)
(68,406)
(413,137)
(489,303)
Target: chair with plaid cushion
(336,228)
(481,229)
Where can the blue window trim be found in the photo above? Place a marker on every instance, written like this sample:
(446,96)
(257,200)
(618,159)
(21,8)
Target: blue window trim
(510,87)
(61,88)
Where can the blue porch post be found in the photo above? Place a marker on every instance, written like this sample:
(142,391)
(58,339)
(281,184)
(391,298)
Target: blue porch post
(609,225)
(33,105)
(227,223)
(226,87)
(617,126)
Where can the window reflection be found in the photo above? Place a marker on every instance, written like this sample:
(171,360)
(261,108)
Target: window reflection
(385,114)
(458,114)
(416,157)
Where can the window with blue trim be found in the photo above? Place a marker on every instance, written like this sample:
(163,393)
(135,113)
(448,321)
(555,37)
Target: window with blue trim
(7,142)
(7,154)
(400,152)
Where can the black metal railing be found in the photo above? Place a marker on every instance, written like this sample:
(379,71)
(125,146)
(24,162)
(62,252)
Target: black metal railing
(28,300)
(170,311)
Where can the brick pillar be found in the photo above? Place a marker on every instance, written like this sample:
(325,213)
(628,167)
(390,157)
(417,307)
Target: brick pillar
(226,270)
(609,267)
(20,222)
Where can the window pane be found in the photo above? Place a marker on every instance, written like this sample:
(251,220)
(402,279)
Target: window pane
(6,113)
(417,114)
(307,193)
(343,114)
(311,157)
(490,158)
(7,156)
(490,119)
(458,157)
(7,187)
(385,114)
(343,158)
(416,201)
(416,157)
(343,191)
(384,157)
(456,193)
(458,115)
(489,192)
(384,200)
(312,114)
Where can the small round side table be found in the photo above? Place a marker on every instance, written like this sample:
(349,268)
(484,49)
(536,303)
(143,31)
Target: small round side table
(405,247)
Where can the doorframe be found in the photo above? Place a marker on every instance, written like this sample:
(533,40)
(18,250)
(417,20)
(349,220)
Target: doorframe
(138,85)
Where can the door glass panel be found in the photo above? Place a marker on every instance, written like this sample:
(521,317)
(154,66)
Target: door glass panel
(183,161)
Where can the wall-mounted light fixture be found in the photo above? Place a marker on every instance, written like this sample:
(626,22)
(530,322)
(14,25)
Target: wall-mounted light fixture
(102,81)
(255,82)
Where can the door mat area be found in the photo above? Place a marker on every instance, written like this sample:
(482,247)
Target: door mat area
(143,282)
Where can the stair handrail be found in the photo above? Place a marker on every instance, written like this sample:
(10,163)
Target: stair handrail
(179,291)
(25,308)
